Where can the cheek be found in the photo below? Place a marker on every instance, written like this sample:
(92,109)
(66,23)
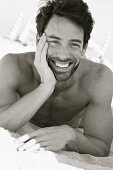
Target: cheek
(76,54)
(51,51)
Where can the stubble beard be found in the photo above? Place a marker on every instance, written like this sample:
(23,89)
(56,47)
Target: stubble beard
(63,76)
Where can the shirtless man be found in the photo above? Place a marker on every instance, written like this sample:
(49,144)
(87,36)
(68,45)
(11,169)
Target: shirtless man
(56,88)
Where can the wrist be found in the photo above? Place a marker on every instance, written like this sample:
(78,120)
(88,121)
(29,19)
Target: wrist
(70,133)
(49,83)
(49,87)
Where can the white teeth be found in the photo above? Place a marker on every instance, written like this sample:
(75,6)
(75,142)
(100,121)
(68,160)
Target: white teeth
(62,65)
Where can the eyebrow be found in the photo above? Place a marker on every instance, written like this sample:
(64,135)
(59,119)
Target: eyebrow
(76,40)
(72,40)
(54,37)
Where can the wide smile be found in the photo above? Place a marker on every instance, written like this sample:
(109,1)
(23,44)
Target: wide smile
(61,66)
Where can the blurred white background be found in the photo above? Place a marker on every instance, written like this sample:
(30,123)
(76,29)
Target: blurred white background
(102,12)
(21,14)
(10,10)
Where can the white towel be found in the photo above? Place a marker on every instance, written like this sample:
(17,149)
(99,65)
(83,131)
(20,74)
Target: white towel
(45,160)
(84,161)
(11,159)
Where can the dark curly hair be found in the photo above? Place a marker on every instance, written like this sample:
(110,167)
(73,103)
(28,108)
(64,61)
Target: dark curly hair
(75,10)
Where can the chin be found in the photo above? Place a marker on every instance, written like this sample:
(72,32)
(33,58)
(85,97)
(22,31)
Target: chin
(62,73)
(60,77)
(64,76)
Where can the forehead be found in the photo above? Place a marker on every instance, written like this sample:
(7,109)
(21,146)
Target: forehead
(64,28)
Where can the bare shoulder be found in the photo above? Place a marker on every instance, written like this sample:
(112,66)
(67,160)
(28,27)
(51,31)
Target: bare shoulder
(15,66)
(98,81)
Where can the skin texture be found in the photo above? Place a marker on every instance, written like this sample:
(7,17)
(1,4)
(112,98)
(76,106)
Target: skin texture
(59,100)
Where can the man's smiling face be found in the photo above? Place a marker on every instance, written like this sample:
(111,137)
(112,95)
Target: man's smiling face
(65,40)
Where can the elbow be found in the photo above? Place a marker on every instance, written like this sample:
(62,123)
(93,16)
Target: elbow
(103,152)
(101,149)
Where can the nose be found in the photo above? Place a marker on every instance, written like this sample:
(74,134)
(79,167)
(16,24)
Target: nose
(63,53)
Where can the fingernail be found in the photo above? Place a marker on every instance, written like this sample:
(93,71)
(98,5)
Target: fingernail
(20,149)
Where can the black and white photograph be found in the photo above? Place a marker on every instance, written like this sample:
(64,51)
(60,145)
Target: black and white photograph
(56,85)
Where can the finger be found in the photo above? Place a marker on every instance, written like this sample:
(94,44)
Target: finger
(40,47)
(38,146)
(29,144)
(48,148)
(51,148)
(34,134)
(41,42)
(43,134)
(44,144)
(43,138)
(40,132)
(33,148)
(44,54)
(40,135)
(23,138)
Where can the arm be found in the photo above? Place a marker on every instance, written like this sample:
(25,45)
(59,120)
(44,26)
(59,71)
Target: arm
(98,121)
(97,137)
(15,113)
(98,127)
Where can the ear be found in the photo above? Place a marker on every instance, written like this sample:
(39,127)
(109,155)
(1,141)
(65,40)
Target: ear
(84,49)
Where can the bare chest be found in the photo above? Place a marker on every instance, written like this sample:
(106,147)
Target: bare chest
(60,109)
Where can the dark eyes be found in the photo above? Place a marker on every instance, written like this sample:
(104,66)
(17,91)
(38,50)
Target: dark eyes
(75,45)
(53,42)
(56,43)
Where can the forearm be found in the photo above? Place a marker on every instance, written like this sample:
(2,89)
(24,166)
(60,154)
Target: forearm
(87,144)
(25,108)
